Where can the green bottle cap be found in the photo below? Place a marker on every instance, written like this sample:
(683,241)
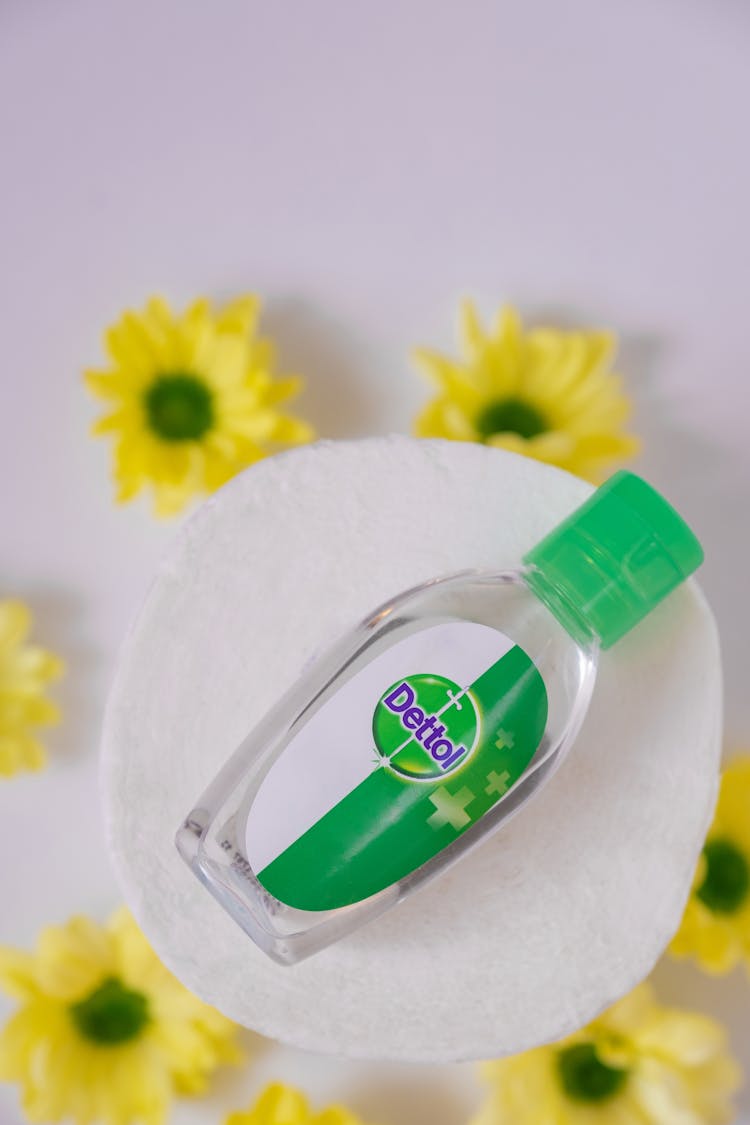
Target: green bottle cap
(613,560)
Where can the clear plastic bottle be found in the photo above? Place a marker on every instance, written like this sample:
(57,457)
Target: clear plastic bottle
(427,727)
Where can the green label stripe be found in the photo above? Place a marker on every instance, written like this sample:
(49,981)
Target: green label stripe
(390,824)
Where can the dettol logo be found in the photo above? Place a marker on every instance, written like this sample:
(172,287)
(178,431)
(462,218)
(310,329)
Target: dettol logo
(425,726)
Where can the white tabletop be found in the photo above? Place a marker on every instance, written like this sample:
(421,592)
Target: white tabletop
(361,166)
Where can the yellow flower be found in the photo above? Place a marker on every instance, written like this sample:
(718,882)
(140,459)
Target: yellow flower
(715,928)
(192,399)
(637,1064)
(546,393)
(104,1032)
(283,1105)
(25,671)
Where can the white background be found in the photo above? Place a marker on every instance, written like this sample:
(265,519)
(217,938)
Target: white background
(361,165)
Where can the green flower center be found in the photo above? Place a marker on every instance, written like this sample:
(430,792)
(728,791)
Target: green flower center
(510,416)
(726,883)
(111,1014)
(179,407)
(585,1078)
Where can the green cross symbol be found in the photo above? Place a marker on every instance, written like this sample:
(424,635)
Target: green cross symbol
(504,740)
(498,783)
(450,808)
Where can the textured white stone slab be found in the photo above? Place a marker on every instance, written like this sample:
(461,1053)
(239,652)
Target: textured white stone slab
(541,927)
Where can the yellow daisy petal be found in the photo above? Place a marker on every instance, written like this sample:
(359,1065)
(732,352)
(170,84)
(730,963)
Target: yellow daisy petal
(72,959)
(508,329)
(592,455)
(447,376)
(111,385)
(282,389)
(104,1032)
(133,958)
(162,332)
(505,357)
(636,1064)
(228,362)
(446,416)
(336,1115)
(470,330)
(20,751)
(546,393)
(25,672)
(15,623)
(240,315)
(290,431)
(17,976)
(169,501)
(125,416)
(685,1038)
(662,1096)
(715,929)
(262,357)
(733,807)
(279,1104)
(551,448)
(630,1012)
(130,346)
(194,399)
(255,424)
(577,362)
(715,942)
(34,666)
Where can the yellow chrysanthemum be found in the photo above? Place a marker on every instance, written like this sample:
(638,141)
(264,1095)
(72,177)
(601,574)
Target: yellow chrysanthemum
(715,928)
(283,1105)
(25,672)
(104,1032)
(546,393)
(193,399)
(637,1064)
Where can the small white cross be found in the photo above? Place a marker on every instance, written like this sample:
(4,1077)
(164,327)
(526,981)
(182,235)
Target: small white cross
(498,783)
(450,808)
(505,740)
(455,699)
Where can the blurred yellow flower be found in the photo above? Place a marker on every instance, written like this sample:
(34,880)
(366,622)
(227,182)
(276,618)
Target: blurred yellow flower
(637,1064)
(283,1105)
(104,1032)
(25,671)
(546,393)
(192,399)
(715,928)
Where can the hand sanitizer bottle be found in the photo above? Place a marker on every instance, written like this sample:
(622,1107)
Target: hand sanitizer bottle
(428,726)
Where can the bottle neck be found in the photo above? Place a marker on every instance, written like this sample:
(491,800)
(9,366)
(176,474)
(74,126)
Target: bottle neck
(558,602)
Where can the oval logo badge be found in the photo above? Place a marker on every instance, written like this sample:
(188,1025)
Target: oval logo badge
(425,727)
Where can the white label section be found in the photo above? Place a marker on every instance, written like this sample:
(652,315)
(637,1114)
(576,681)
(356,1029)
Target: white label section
(335,750)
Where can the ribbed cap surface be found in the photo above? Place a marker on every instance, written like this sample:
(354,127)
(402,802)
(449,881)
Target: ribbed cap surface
(613,560)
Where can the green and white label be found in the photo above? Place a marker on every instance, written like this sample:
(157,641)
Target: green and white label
(410,752)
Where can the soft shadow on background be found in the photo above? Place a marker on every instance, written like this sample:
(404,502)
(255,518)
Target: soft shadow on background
(341,398)
(682,985)
(704,481)
(60,625)
(403,1098)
